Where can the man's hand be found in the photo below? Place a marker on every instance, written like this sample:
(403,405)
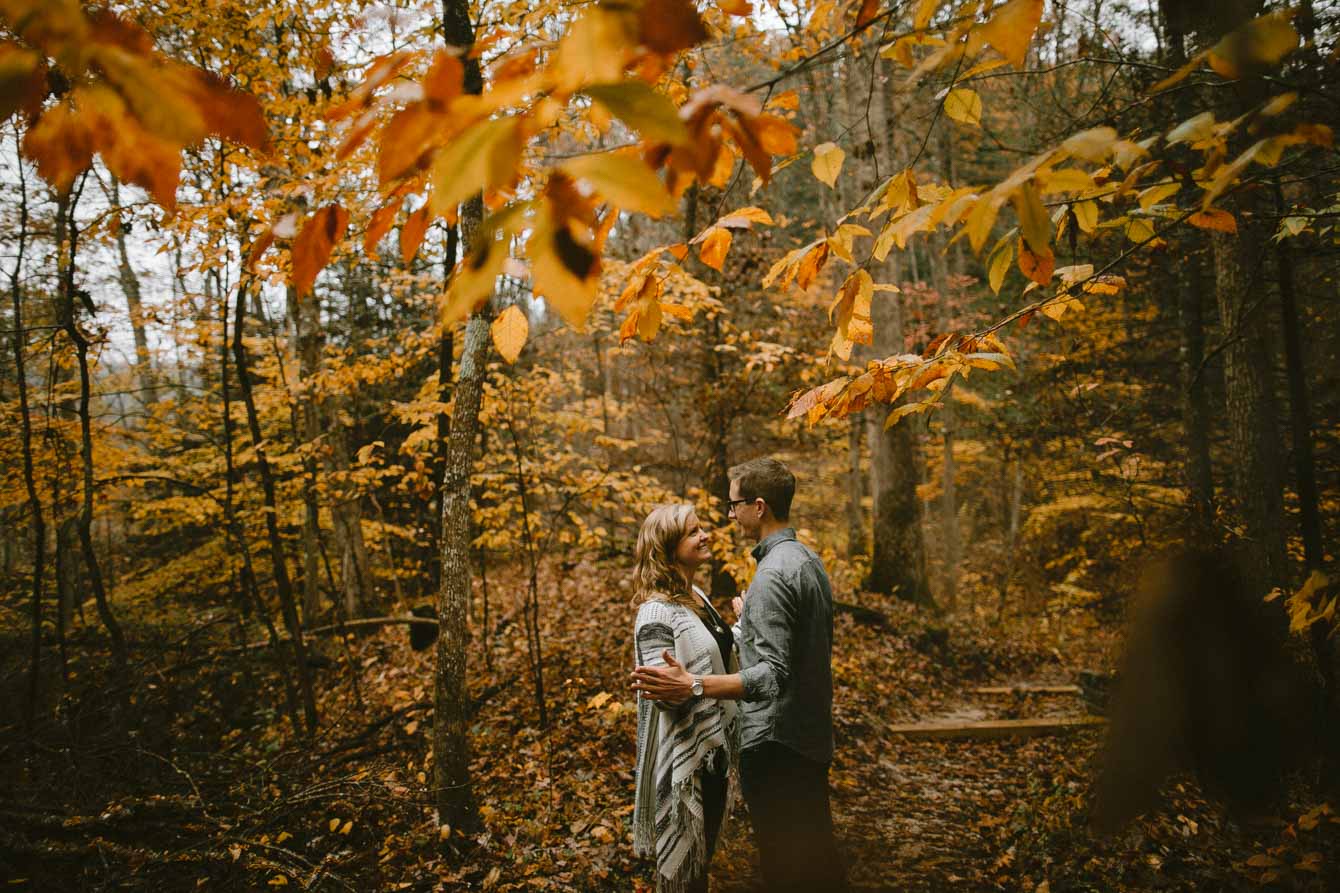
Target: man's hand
(738,604)
(669,683)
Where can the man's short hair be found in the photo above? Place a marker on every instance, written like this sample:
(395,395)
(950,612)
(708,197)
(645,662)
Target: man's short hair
(769,480)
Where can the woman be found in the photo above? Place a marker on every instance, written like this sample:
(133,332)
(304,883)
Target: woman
(684,751)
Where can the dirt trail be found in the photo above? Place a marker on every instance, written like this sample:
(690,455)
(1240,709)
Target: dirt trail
(924,815)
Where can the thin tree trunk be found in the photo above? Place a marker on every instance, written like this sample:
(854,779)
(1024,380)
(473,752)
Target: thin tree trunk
(37,520)
(304,317)
(855,488)
(288,607)
(130,287)
(67,238)
(453,790)
(446,348)
(249,584)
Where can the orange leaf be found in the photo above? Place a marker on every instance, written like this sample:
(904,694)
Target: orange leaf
(380,224)
(867,12)
(311,250)
(510,331)
(740,8)
(1037,267)
(1011,28)
(407,141)
(60,144)
(1214,219)
(668,26)
(411,234)
(713,249)
(811,265)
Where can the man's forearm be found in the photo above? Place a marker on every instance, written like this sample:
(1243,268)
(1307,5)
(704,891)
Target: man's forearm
(723,688)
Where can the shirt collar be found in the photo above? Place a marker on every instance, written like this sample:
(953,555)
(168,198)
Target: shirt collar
(765,545)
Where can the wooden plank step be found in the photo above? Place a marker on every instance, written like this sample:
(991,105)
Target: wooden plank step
(995,728)
(1027,690)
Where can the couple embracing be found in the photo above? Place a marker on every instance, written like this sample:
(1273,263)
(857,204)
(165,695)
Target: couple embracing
(723,708)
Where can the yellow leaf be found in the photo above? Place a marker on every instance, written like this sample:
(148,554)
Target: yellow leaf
(1011,28)
(1033,220)
(595,48)
(999,264)
(474,278)
(484,156)
(1086,215)
(347,827)
(1066,179)
(714,246)
(564,269)
(1256,47)
(745,218)
(278,881)
(1139,230)
(1090,145)
(510,331)
(925,10)
(1193,129)
(598,701)
(624,180)
(827,163)
(646,110)
(332,824)
(964,106)
(1155,194)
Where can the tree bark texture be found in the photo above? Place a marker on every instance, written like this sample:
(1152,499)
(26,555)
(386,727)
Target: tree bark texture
(898,551)
(452,783)
(1250,405)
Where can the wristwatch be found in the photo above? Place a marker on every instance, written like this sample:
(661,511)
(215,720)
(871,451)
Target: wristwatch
(697,687)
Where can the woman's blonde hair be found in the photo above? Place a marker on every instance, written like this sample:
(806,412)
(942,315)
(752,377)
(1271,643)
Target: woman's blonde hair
(654,575)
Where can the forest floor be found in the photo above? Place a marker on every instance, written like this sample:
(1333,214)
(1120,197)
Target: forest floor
(207,787)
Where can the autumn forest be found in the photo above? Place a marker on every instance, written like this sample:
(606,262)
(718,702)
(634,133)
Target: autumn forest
(348,343)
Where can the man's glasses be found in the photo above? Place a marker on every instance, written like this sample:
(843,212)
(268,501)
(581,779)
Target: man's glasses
(732,503)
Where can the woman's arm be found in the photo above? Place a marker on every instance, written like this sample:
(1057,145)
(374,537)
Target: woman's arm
(655,643)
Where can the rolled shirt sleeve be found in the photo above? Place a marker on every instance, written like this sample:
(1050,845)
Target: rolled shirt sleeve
(770,615)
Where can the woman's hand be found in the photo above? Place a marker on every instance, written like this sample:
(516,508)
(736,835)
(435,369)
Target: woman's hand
(738,604)
(669,683)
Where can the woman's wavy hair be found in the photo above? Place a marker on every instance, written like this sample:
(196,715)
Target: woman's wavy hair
(654,575)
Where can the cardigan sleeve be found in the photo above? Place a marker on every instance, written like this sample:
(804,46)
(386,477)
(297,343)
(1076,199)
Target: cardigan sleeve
(651,640)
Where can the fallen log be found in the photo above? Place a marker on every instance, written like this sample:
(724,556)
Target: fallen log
(994,729)
(1027,690)
(867,616)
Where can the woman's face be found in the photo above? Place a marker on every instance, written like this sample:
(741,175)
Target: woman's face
(694,548)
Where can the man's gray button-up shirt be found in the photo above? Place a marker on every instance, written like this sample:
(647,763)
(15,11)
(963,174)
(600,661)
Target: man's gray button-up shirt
(786,648)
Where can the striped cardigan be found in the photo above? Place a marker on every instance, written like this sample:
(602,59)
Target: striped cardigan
(674,742)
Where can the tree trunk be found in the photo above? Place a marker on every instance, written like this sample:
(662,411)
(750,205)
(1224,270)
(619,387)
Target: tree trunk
(304,315)
(130,287)
(67,238)
(453,791)
(1253,437)
(898,552)
(250,588)
(855,488)
(36,519)
(288,607)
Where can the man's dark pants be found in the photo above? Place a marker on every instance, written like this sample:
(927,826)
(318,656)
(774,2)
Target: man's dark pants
(787,796)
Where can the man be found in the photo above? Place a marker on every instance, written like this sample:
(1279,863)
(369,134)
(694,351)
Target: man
(785,638)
